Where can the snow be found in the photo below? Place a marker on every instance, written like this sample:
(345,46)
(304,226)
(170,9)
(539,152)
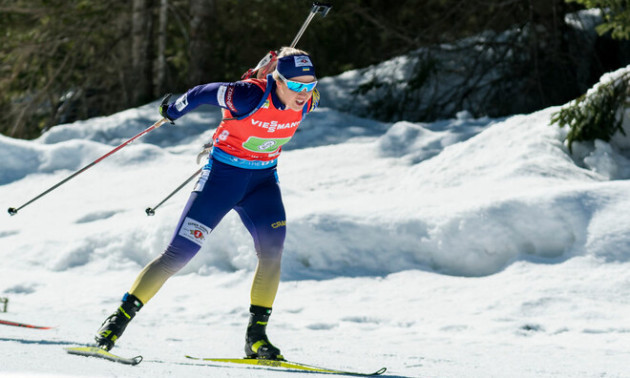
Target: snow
(460,248)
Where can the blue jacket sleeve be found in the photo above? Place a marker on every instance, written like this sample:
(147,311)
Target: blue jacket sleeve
(239,98)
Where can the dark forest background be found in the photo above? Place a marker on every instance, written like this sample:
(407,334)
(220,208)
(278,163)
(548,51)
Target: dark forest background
(73,59)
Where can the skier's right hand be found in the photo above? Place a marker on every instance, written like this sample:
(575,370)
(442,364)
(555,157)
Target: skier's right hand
(164,107)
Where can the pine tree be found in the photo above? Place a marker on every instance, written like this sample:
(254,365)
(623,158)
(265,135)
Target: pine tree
(598,114)
(616,15)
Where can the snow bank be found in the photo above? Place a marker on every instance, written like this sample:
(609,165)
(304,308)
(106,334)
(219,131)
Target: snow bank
(463,196)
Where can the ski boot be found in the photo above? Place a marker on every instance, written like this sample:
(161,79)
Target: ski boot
(115,324)
(257,345)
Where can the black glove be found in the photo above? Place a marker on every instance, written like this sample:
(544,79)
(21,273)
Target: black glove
(164,107)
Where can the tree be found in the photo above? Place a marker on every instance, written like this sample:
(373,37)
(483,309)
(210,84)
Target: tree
(64,60)
(598,114)
(616,15)
(46,47)
(200,45)
(142,51)
(160,67)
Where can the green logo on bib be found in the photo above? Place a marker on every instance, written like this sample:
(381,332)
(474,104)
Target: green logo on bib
(262,145)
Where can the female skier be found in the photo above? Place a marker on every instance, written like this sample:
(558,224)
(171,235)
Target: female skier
(259,117)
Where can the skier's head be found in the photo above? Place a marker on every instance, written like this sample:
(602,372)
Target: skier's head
(295,75)
(293,62)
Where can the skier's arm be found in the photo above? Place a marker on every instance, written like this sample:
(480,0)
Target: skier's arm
(239,98)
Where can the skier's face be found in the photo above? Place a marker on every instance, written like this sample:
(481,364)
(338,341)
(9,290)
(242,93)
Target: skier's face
(294,100)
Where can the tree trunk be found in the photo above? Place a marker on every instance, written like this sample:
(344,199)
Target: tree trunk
(200,46)
(141,51)
(160,69)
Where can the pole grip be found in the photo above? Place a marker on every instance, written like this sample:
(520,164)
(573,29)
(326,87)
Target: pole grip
(322,8)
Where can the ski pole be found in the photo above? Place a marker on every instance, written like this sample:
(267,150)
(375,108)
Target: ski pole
(207,148)
(151,210)
(16,324)
(13,211)
(318,7)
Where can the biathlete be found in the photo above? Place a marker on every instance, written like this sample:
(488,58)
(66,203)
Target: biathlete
(259,117)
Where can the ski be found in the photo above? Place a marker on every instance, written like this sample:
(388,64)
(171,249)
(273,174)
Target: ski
(92,351)
(287,365)
(15,324)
